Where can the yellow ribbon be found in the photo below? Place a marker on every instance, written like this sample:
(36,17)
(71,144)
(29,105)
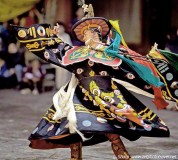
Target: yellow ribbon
(115,25)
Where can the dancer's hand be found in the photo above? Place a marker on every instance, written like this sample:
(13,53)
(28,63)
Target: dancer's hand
(56,29)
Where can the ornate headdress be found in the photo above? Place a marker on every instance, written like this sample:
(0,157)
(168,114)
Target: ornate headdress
(89,21)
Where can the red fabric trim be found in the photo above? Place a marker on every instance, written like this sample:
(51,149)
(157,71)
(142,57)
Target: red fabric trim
(158,99)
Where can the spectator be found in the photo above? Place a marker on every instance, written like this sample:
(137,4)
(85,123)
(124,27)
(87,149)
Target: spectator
(32,80)
(79,15)
(62,33)
(172,43)
(62,75)
(33,17)
(16,21)
(15,60)
(7,76)
(4,26)
(5,34)
(2,47)
(1,27)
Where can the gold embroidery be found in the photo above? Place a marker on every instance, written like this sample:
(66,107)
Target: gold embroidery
(30,31)
(34,45)
(49,32)
(51,121)
(49,115)
(51,42)
(80,52)
(147,113)
(52,110)
(121,97)
(165,95)
(113,85)
(58,40)
(94,89)
(92,73)
(80,108)
(34,32)
(120,105)
(22,33)
(39,49)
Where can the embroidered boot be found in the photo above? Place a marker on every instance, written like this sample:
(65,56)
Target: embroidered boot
(76,151)
(118,147)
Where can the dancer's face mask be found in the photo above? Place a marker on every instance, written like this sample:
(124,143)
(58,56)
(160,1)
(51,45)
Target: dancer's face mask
(90,35)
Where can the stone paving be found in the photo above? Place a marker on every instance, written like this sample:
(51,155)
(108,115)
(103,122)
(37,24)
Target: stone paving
(20,114)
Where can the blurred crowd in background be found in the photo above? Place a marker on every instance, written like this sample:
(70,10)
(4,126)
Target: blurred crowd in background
(26,73)
(23,71)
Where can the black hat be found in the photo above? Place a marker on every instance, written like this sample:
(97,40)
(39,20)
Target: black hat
(88,22)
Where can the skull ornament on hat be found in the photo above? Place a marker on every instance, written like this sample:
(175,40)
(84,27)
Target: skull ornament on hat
(89,22)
